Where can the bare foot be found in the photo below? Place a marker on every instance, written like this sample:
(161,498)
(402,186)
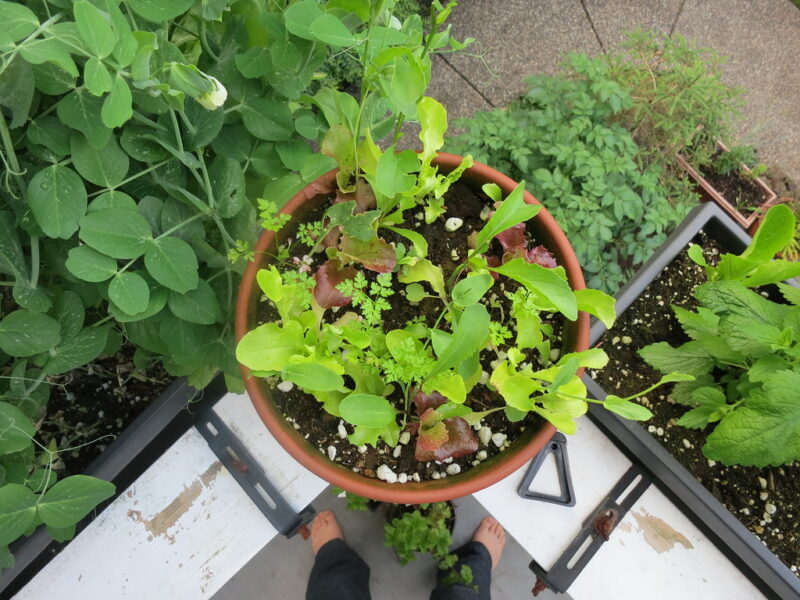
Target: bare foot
(492,535)
(324,529)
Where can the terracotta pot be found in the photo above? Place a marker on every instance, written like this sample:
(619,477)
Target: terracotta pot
(488,472)
(709,193)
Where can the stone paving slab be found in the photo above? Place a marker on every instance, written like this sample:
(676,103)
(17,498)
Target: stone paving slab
(762,39)
(520,37)
(613,18)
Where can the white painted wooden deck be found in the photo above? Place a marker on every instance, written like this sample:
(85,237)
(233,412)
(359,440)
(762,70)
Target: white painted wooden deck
(184,528)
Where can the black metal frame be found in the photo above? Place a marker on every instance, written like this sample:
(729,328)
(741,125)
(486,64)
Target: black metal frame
(743,548)
(126,458)
(248,473)
(595,529)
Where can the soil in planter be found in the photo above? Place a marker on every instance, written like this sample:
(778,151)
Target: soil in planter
(93,404)
(328,433)
(740,190)
(748,492)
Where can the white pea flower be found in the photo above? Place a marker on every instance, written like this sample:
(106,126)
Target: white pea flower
(216,97)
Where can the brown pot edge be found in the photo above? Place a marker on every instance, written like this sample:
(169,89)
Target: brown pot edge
(428,491)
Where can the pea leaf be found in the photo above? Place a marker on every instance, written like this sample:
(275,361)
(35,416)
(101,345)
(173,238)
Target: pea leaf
(172,263)
(94,29)
(367,410)
(25,333)
(330,30)
(199,305)
(71,499)
(16,430)
(267,119)
(70,313)
(130,292)
(227,185)
(106,166)
(90,265)
(313,376)
(117,232)
(58,200)
(18,20)
(87,345)
(626,408)
(79,110)
(550,283)
(17,511)
(16,90)
(96,77)
(118,105)
(49,50)
(395,171)
(160,10)
(299,17)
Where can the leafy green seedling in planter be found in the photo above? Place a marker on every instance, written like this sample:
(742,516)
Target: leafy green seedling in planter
(744,353)
(335,337)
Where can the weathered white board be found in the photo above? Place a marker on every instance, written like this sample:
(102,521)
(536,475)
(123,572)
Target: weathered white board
(654,553)
(183,528)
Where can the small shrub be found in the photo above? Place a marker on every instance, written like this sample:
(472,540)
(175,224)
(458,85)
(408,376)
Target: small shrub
(562,138)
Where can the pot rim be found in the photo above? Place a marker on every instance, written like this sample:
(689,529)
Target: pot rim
(474,479)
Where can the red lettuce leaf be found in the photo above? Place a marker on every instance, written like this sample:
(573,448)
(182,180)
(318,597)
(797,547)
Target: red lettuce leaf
(328,276)
(375,255)
(433,431)
(541,256)
(513,237)
(461,440)
(423,402)
(364,197)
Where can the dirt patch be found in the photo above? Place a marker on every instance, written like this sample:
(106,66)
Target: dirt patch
(745,491)
(90,406)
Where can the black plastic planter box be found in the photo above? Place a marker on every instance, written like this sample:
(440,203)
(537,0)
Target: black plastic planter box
(741,546)
(125,459)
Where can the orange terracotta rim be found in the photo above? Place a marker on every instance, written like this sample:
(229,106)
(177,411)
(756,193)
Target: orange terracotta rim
(532,440)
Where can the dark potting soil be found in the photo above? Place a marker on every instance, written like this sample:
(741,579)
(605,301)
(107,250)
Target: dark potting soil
(90,406)
(446,249)
(747,492)
(740,190)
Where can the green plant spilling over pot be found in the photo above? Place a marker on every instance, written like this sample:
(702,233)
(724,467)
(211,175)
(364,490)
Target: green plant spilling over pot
(501,304)
(744,353)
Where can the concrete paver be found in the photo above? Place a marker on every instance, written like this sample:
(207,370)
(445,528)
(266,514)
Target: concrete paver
(519,37)
(762,39)
(613,18)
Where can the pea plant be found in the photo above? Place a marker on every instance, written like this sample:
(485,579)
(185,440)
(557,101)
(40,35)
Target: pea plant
(136,140)
(744,353)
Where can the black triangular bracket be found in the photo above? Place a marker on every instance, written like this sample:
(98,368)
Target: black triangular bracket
(557,446)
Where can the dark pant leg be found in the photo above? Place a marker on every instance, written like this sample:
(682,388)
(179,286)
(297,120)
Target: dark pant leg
(338,574)
(476,556)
